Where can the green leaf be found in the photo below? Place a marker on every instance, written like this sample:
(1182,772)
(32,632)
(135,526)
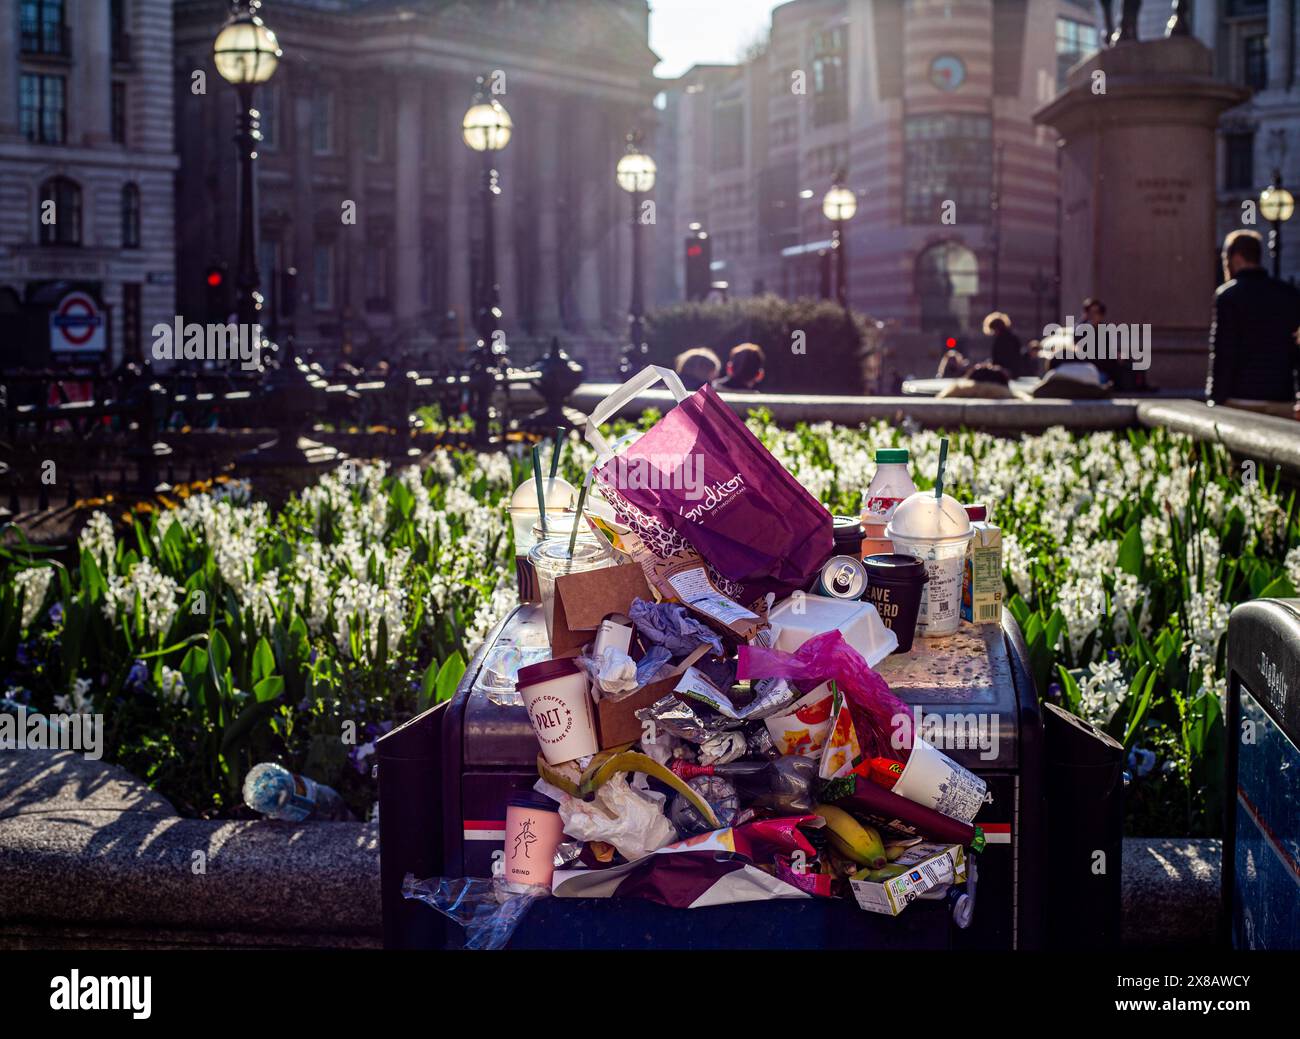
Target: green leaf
(1130,551)
(269,688)
(428,685)
(263,660)
(449,676)
(1278,588)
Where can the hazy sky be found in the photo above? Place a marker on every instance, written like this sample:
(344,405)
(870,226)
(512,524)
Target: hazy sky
(692,32)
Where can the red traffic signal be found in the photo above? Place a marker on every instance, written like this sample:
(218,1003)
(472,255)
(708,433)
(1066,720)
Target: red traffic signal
(215,277)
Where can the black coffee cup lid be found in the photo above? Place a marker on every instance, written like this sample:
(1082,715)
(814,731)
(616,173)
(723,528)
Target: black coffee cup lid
(894,565)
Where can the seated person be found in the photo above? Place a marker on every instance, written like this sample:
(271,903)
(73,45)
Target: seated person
(985,381)
(697,366)
(744,368)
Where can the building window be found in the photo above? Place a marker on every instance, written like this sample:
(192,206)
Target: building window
(728,135)
(268,107)
(42,28)
(117,114)
(947,279)
(322,122)
(371,137)
(60,222)
(1074,40)
(830,78)
(322,282)
(120,40)
(947,158)
(1239,168)
(1255,61)
(42,109)
(130,216)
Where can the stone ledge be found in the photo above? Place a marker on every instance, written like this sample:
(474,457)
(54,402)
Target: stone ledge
(1263,438)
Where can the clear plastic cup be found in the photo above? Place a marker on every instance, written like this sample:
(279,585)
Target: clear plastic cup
(551,559)
(561,497)
(935,531)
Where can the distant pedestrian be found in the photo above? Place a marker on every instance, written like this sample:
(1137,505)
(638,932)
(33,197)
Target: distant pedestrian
(744,368)
(1006,351)
(697,366)
(952,365)
(1254,359)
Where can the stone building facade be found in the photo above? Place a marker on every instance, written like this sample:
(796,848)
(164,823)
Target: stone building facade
(366,108)
(926,106)
(87,167)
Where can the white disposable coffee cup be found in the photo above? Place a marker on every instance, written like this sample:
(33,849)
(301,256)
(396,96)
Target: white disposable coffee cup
(935,531)
(933,779)
(559,706)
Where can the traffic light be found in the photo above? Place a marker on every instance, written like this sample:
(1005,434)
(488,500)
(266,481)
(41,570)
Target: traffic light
(699,263)
(217,293)
(288,295)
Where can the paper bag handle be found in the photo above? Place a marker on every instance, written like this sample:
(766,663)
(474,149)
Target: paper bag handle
(624,395)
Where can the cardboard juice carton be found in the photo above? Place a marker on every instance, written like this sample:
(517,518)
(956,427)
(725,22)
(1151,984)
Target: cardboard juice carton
(982,588)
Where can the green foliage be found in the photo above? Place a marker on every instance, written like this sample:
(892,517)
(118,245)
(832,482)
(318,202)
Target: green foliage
(830,356)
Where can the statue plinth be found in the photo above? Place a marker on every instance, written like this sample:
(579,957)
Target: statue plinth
(1138,124)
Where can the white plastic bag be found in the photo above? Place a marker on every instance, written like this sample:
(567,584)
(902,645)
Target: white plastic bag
(631,820)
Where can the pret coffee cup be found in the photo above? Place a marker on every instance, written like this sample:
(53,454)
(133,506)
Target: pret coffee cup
(533,832)
(559,706)
(895,584)
(935,531)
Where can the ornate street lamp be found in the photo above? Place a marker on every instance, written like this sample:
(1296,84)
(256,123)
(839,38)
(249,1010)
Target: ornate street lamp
(1276,205)
(486,129)
(838,206)
(246,54)
(635,174)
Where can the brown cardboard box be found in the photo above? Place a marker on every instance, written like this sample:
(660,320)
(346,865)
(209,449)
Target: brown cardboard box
(616,720)
(583,600)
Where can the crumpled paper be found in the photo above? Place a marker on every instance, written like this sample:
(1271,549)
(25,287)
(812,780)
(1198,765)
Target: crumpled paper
(669,625)
(724,748)
(631,820)
(613,673)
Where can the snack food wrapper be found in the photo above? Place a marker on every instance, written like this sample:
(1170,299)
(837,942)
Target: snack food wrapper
(805,727)
(696,684)
(841,751)
(681,719)
(828,658)
(714,868)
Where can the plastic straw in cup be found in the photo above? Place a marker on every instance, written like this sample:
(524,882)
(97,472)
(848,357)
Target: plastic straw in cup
(573,535)
(943,461)
(537,482)
(556,451)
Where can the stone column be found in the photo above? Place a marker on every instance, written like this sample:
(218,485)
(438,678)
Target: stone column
(90,90)
(548,195)
(409,217)
(1280,28)
(304,214)
(9,74)
(457,173)
(353,253)
(1137,194)
(588,212)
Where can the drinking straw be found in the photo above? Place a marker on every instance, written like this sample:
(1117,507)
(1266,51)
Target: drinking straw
(573,535)
(556,452)
(537,482)
(943,461)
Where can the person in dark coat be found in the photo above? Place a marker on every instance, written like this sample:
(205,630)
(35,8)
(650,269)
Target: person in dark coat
(1254,359)
(1006,351)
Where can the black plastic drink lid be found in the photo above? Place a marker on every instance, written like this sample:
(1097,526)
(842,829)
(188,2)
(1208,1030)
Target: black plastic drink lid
(894,566)
(532,799)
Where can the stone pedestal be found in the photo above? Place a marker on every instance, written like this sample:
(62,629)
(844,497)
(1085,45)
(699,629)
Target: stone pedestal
(1137,123)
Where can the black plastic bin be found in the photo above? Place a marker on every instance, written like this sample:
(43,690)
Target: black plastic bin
(445,776)
(1261,842)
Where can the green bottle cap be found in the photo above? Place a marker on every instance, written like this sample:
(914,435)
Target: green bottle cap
(891,455)
(977,845)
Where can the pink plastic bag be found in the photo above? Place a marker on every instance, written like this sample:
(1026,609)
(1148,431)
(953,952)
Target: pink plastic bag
(876,712)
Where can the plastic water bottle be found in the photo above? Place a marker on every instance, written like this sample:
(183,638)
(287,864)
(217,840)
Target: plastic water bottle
(274,791)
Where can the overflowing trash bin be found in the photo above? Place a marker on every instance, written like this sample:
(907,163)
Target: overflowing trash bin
(1261,846)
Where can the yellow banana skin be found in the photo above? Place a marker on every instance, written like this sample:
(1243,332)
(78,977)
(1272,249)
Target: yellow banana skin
(851,838)
(876,876)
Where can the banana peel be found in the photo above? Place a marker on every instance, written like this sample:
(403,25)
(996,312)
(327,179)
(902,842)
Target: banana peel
(609,763)
(876,876)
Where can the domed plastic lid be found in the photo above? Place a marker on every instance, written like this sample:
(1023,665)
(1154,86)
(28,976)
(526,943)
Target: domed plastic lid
(922,515)
(560,494)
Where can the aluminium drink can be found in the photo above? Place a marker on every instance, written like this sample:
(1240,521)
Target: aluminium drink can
(842,577)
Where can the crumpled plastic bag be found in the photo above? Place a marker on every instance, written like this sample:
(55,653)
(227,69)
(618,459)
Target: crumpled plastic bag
(613,673)
(669,625)
(827,657)
(631,820)
(488,909)
(655,660)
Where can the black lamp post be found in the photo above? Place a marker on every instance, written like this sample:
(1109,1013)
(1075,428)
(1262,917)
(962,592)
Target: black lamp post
(246,54)
(486,129)
(838,206)
(635,174)
(1276,205)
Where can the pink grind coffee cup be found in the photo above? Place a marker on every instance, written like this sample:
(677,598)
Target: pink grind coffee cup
(533,832)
